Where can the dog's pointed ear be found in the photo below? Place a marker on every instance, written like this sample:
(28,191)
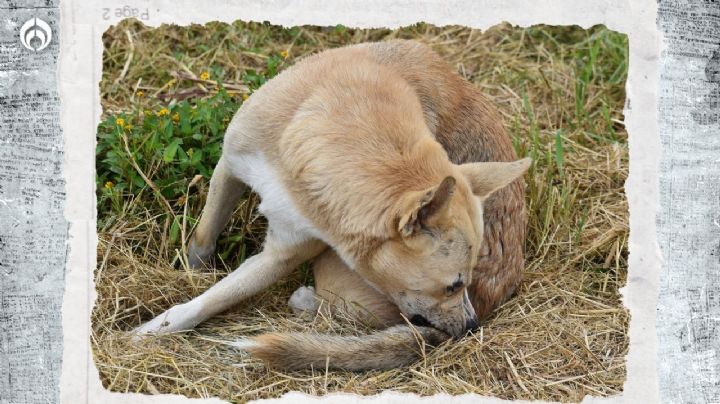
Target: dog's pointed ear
(420,206)
(486,178)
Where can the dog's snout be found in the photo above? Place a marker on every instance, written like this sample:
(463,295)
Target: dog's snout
(420,321)
(471,324)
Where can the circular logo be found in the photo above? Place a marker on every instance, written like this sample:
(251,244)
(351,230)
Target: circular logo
(35,34)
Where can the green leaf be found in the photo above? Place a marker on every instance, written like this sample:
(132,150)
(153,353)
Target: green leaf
(171,150)
(174,230)
(185,128)
(137,180)
(168,129)
(196,157)
(559,152)
(182,155)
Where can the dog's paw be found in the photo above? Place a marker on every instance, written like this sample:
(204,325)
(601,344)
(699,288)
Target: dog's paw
(304,301)
(178,318)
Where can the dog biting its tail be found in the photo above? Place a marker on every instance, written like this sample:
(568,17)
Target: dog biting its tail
(390,348)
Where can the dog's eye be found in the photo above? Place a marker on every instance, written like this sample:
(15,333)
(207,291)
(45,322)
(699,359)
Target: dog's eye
(457,285)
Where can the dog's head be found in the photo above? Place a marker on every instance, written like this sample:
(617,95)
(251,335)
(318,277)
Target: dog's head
(426,266)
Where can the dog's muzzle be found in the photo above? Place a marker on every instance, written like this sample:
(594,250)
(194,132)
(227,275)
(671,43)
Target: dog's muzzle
(420,321)
(471,320)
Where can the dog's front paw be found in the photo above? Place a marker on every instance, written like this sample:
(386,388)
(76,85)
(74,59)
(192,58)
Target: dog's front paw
(304,301)
(178,318)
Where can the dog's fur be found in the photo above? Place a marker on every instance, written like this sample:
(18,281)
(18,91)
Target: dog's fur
(372,150)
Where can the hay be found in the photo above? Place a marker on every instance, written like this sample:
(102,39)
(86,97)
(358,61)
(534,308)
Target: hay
(563,336)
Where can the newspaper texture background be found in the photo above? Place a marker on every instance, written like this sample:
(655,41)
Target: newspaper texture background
(33,231)
(689,218)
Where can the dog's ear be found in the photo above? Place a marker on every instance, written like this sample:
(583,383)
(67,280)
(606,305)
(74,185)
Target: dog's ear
(420,206)
(486,178)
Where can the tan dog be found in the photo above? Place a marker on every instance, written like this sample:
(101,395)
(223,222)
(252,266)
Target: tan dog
(347,149)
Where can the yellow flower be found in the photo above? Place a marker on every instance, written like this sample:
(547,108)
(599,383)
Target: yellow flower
(109,185)
(204,76)
(140,93)
(128,127)
(120,122)
(163,111)
(245,96)
(176,117)
(171,82)
(284,54)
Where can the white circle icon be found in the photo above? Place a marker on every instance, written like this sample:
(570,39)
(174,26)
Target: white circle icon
(35,29)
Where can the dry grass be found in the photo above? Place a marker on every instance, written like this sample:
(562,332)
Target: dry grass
(563,336)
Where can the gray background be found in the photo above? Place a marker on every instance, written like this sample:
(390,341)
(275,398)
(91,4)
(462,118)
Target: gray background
(688,322)
(33,230)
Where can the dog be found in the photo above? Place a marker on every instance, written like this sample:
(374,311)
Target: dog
(395,176)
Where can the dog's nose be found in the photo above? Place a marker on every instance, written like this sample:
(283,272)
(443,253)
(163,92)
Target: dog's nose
(471,324)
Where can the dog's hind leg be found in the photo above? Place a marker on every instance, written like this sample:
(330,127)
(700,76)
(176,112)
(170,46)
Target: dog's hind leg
(341,289)
(225,192)
(278,258)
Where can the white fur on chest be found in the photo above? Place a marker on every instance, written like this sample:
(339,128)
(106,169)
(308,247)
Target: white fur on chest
(286,221)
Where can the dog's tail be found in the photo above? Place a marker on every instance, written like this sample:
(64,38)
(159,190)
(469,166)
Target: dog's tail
(390,348)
